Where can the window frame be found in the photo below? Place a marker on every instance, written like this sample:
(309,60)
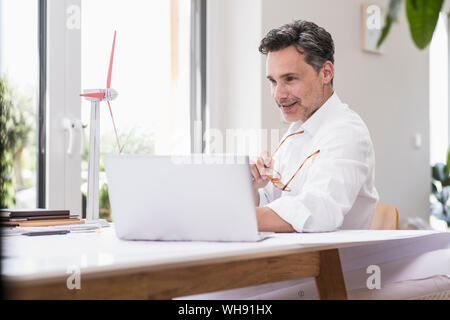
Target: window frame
(41,98)
(61,173)
(41,107)
(198,75)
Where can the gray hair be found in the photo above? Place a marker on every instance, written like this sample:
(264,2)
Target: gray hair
(308,38)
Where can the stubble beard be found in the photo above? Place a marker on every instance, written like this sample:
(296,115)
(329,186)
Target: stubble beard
(306,112)
(310,110)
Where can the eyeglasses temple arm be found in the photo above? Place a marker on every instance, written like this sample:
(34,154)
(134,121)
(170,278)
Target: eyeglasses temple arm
(300,168)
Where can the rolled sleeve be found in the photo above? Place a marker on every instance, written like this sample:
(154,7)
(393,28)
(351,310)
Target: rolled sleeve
(291,210)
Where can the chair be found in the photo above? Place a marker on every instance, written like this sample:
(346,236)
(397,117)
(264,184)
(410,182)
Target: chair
(385,217)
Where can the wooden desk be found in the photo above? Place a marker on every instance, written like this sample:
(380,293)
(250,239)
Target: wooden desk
(36,267)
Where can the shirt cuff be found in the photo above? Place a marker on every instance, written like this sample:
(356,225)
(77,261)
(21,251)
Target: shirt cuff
(262,198)
(292,211)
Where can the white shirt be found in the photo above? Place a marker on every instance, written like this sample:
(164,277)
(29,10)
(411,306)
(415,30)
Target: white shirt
(335,189)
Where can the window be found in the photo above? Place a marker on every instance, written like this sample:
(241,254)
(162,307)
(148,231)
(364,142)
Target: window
(439,107)
(19,68)
(159,69)
(152,72)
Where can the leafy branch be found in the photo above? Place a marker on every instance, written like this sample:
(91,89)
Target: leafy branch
(422,18)
(440,187)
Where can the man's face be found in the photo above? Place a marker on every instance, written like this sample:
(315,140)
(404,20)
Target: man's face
(296,87)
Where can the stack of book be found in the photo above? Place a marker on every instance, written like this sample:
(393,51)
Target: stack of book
(37,217)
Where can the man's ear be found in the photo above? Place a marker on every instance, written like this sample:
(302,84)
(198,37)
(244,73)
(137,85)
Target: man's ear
(328,72)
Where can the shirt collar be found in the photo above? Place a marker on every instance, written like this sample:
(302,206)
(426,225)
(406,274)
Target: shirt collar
(319,117)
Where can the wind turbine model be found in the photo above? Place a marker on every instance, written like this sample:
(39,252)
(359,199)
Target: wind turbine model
(96,96)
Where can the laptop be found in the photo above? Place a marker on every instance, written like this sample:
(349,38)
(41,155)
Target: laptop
(188,198)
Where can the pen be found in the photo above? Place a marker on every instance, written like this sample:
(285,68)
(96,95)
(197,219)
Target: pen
(45,233)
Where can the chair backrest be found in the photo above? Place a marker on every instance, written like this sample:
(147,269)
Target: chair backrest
(385,217)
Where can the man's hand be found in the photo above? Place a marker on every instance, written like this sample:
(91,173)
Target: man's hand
(262,171)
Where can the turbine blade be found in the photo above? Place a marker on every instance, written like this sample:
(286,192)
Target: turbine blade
(93,95)
(108,81)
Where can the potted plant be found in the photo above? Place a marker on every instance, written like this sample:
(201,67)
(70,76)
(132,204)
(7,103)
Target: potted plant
(440,187)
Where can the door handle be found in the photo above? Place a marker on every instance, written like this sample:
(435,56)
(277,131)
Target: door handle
(70,125)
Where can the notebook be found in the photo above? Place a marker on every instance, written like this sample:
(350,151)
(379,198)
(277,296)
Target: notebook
(24,213)
(41,223)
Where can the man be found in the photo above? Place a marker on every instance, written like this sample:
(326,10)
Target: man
(332,189)
(321,178)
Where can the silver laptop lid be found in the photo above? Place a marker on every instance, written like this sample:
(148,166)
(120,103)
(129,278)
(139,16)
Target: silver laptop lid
(197,197)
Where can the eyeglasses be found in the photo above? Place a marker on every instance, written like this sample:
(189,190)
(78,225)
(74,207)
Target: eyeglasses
(277,180)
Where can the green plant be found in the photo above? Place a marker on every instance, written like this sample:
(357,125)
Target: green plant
(440,187)
(6,183)
(422,18)
(22,117)
(17,117)
(104,204)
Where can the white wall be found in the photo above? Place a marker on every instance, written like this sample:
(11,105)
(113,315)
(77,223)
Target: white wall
(446,8)
(389,91)
(233,64)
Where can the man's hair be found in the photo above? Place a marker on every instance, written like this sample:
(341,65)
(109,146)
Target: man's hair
(308,38)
